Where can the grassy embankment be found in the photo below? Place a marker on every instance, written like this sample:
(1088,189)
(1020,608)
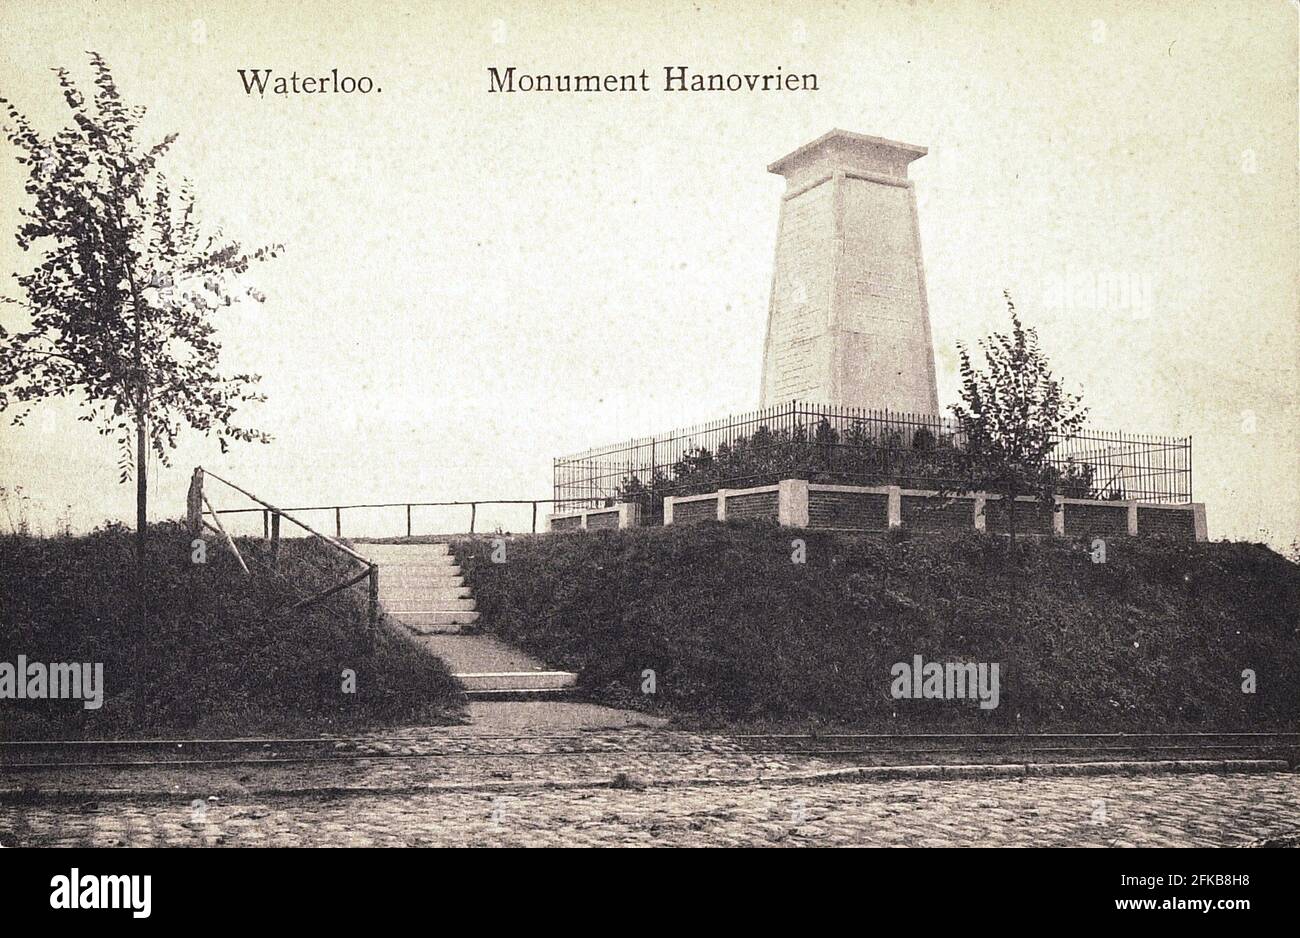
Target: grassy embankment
(212,659)
(1156,638)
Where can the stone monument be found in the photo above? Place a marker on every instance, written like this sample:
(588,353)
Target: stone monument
(848,323)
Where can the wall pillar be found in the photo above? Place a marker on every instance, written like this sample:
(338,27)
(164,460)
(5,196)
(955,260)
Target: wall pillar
(629,515)
(1132,517)
(1198,520)
(1058,516)
(895,507)
(722,504)
(980,499)
(668,509)
(792,503)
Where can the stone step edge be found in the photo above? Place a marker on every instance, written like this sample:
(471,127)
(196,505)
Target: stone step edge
(411,592)
(460,674)
(419,582)
(504,682)
(422,612)
(392,603)
(409,545)
(521,693)
(467,615)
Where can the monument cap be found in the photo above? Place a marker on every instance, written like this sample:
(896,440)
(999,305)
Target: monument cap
(844,151)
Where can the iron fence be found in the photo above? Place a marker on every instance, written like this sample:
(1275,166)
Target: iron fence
(845,445)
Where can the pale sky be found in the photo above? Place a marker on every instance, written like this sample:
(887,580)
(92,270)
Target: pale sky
(475,283)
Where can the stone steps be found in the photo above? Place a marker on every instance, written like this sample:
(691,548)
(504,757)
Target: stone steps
(421,586)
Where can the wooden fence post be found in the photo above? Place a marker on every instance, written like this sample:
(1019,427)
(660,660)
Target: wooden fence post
(373,604)
(194,504)
(338,522)
(275,540)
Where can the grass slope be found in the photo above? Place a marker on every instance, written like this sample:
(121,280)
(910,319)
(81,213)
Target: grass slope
(210,659)
(1156,637)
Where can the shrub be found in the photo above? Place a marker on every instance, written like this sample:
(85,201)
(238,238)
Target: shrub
(1157,636)
(215,653)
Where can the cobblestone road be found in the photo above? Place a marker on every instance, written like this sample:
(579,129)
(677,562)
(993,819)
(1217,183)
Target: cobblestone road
(1186,810)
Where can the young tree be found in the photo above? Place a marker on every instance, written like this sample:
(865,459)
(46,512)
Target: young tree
(120,305)
(1013,414)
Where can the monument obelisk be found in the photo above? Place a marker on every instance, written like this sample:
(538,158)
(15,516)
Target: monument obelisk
(848,323)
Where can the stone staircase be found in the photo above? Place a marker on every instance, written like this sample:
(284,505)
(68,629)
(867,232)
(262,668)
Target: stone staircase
(421,587)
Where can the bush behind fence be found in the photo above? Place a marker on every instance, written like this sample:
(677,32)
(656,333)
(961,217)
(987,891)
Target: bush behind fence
(839,445)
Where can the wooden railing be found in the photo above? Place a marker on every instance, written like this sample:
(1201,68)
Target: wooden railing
(269,521)
(199,507)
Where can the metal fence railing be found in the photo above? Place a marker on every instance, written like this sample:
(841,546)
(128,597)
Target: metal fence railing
(851,446)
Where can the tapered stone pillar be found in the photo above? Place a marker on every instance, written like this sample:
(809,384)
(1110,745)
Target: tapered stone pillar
(848,322)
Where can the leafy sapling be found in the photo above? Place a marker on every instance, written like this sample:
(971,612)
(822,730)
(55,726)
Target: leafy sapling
(1013,414)
(120,305)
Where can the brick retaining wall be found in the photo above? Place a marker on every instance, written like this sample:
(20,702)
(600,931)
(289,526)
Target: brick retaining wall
(1166,521)
(854,511)
(706,509)
(602,519)
(931,513)
(622,515)
(1032,517)
(1104,519)
(752,505)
